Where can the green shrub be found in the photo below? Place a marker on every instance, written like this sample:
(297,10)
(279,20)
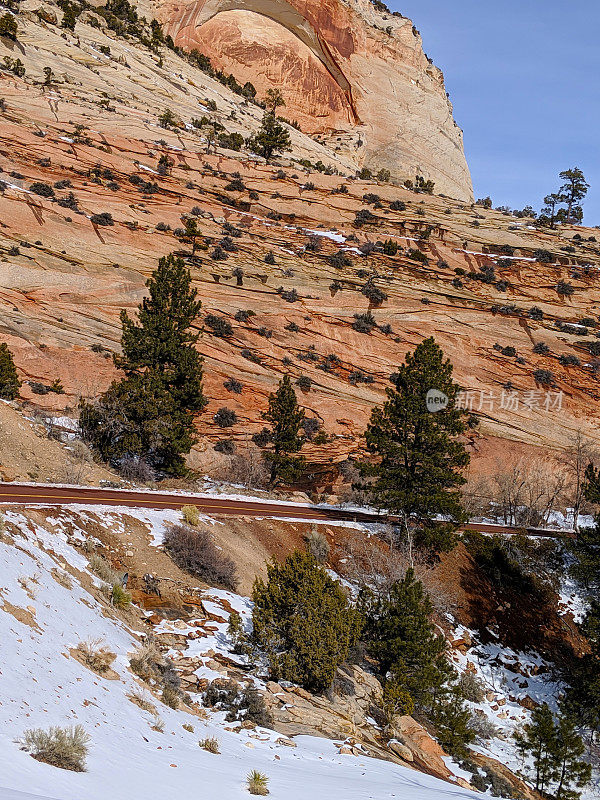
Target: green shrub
(119,597)
(66,748)
(9,380)
(219,325)
(303,621)
(43,189)
(8,26)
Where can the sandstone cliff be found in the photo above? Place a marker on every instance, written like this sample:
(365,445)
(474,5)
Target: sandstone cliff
(356,76)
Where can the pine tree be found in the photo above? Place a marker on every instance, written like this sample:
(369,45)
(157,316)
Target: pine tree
(162,340)
(538,740)
(271,138)
(273,100)
(286,418)
(570,768)
(303,621)
(552,202)
(149,414)
(191,233)
(574,190)
(399,634)
(9,380)
(419,456)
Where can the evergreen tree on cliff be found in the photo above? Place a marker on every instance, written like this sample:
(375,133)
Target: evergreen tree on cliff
(285,417)
(419,458)
(9,380)
(149,414)
(271,138)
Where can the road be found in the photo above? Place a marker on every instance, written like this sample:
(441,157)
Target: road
(213,505)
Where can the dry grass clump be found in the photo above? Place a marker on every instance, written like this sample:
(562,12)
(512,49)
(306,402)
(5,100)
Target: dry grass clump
(147,662)
(210,744)
(170,697)
(191,515)
(95,656)
(63,578)
(103,569)
(141,701)
(257,783)
(66,748)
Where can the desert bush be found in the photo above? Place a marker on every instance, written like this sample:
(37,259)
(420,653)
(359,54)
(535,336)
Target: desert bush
(304,382)
(147,662)
(243,315)
(544,376)
(191,515)
(398,205)
(418,255)
(340,260)
(233,385)
(543,256)
(313,244)
(225,418)
(363,217)
(119,597)
(218,254)
(364,323)
(105,218)
(267,333)
(170,697)
(43,189)
(228,245)
(289,295)
(163,226)
(70,202)
(365,174)
(8,26)
(371,198)
(236,185)
(541,348)
(136,468)
(225,446)
(96,656)
(373,293)
(251,356)
(471,687)
(257,783)
(66,748)
(210,744)
(218,325)
(569,360)
(483,728)
(565,289)
(195,552)
(103,569)
(318,546)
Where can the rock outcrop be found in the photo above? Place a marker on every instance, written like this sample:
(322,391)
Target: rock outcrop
(355,75)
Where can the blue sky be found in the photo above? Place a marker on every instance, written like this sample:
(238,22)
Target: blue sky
(524,78)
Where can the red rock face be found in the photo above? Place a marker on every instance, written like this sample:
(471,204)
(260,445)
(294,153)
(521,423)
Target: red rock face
(357,77)
(271,56)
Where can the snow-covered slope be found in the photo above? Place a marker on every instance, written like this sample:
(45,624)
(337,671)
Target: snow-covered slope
(43,616)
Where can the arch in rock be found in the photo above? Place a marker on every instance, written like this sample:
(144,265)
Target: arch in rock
(283,13)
